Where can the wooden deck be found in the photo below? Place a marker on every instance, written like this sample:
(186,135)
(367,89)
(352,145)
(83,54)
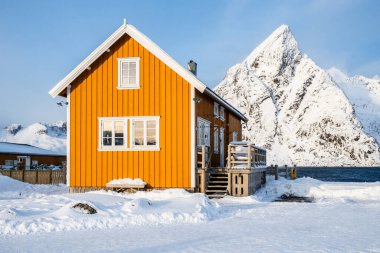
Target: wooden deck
(244,174)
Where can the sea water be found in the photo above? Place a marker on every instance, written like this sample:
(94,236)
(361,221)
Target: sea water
(341,174)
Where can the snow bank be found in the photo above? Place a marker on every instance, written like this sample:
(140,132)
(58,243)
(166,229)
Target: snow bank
(127,181)
(14,189)
(320,191)
(26,208)
(35,210)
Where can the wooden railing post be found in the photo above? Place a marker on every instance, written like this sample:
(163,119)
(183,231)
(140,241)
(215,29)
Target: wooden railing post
(276,172)
(203,157)
(286,172)
(249,156)
(229,157)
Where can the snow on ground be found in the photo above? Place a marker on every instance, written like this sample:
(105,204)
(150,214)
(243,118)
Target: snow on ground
(343,218)
(127,182)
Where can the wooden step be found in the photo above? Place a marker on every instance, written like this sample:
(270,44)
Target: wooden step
(218,182)
(215,191)
(217,196)
(217,186)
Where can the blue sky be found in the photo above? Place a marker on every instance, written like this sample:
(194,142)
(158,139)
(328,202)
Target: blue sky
(42,41)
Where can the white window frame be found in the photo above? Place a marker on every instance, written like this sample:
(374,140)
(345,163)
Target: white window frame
(216,110)
(222,113)
(128,134)
(126,86)
(113,146)
(216,140)
(234,136)
(207,127)
(145,146)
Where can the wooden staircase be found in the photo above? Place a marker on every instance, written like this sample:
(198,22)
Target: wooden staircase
(217,185)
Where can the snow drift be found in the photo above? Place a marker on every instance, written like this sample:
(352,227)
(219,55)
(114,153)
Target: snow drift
(26,208)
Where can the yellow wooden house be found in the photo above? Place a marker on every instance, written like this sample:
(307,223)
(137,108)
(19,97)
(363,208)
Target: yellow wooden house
(134,112)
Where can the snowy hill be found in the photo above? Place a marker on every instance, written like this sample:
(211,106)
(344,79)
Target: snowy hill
(47,136)
(296,110)
(364,95)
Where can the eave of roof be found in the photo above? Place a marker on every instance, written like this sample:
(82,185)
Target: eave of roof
(225,104)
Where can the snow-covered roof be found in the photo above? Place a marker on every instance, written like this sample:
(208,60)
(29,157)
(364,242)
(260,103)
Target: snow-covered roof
(141,39)
(155,50)
(25,149)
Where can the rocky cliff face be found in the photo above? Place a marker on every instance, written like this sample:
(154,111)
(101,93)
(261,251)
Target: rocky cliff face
(295,108)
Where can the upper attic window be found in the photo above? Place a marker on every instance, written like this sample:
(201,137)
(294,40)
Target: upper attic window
(128,73)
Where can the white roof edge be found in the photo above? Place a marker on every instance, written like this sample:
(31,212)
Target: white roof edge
(145,42)
(223,102)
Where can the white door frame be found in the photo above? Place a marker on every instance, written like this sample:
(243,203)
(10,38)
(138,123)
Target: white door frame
(28,162)
(221,152)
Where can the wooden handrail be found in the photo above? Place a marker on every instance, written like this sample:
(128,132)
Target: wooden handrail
(248,154)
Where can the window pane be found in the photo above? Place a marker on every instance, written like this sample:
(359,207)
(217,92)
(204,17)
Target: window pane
(132,73)
(202,134)
(119,141)
(138,132)
(124,80)
(107,133)
(107,141)
(151,132)
(119,133)
(132,80)
(125,67)
(132,68)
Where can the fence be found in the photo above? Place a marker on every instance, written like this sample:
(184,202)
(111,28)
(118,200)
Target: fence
(37,176)
(288,173)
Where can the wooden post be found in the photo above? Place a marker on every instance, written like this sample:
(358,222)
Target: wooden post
(249,156)
(203,181)
(203,157)
(229,157)
(286,172)
(276,172)
(50,177)
(229,185)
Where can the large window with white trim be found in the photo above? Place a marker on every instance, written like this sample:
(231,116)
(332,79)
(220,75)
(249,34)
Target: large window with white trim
(114,132)
(143,133)
(129,73)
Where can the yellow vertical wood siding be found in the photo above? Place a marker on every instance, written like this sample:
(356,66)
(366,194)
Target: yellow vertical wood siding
(162,93)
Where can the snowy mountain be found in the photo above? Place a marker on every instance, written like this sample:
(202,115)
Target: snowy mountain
(296,110)
(47,136)
(364,95)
